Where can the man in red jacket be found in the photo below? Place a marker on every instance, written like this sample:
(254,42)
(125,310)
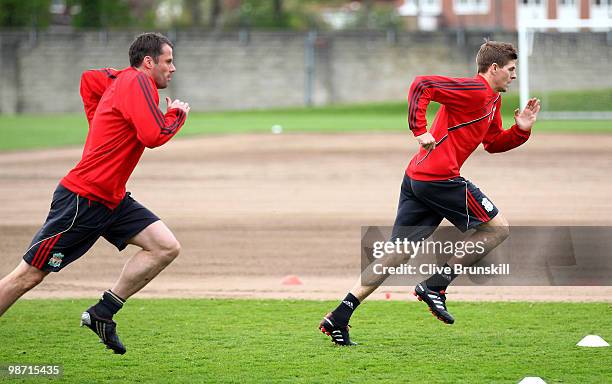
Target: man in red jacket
(91,200)
(433,189)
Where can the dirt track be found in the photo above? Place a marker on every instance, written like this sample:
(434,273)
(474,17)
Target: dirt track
(250,209)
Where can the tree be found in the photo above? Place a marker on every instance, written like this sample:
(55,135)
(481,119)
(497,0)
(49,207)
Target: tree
(20,13)
(277,9)
(215,13)
(101,13)
(194,9)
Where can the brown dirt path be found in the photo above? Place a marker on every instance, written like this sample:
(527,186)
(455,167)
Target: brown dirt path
(250,209)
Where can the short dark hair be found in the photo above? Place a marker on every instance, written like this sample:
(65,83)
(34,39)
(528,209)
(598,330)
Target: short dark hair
(494,52)
(147,44)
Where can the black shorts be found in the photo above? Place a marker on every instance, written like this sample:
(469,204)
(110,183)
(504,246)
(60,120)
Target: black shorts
(423,205)
(75,223)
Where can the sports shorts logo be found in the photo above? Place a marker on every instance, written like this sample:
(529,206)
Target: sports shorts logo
(348,304)
(487,204)
(56,260)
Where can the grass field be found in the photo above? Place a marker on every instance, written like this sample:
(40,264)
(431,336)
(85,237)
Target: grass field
(47,131)
(278,341)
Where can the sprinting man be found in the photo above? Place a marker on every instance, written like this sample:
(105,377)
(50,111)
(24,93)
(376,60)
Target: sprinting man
(91,200)
(433,189)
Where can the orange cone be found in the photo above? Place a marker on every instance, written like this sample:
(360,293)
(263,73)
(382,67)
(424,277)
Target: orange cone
(388,295)
(291,280)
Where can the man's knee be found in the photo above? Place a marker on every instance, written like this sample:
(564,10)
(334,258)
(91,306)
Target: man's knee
(168,251)
(27,277)
(32,280)
(498,227)
(503,232)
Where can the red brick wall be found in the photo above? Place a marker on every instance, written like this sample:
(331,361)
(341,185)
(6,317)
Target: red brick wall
(584,9)
(502,14)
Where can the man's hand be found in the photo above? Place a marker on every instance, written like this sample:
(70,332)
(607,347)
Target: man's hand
(525,120)
(426,141)
(178,104)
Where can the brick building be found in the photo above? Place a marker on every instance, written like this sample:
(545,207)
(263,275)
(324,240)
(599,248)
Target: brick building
(496,14)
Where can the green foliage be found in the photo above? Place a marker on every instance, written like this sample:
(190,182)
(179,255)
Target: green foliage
(303,15)
(376,16)
(293,15)
(101,13)
(261,14)
(271,341)
(25,13)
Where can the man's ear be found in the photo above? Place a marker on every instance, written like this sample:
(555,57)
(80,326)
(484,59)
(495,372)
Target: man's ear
(494,67)
(148,62)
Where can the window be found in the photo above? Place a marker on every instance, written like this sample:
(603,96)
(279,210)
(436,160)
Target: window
(471,7)
(420,7)
(409,8)
(532,9)
(601,9)
(568,9)
(601,3)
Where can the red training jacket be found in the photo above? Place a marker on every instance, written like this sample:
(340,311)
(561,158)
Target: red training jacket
(469,115)
(121,108)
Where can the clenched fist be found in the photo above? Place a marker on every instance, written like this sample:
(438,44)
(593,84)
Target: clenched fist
(183,106)
(426,141)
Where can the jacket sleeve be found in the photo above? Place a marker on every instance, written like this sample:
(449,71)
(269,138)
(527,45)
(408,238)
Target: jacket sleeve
(93,85)
(153,128)
(454,93)
(499,140)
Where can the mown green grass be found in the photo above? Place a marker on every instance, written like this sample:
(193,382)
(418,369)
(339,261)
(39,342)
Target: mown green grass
(254,341)
(48,131)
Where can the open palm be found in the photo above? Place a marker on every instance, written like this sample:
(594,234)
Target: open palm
(525,119)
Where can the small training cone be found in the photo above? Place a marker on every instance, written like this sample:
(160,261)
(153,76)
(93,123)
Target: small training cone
(532,380)
(291,280)
(592,341)
(388,295)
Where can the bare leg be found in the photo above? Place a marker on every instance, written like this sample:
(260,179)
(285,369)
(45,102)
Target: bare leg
(491,234)
(361,292)
(14,285)
(335,323)
(373,280)
(159,248)
(432,291)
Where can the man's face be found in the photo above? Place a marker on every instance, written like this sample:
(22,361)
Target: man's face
(164,68)
(503,76)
